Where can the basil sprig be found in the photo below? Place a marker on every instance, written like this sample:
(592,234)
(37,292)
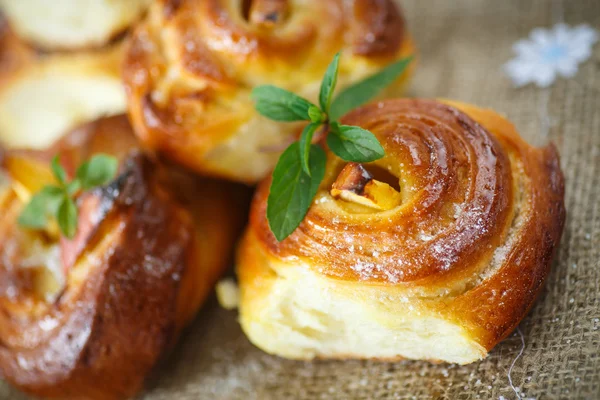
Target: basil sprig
(58,201)
(301,168)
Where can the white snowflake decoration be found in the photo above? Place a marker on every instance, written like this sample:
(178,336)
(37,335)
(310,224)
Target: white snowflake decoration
(548,53)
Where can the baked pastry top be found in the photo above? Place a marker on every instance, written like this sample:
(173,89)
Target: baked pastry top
(192,64)
(90,317)
(436,251)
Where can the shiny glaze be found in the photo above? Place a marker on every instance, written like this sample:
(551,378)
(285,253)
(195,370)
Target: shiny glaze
(94,319)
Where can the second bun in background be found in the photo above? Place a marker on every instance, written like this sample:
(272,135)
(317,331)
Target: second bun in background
(191,67)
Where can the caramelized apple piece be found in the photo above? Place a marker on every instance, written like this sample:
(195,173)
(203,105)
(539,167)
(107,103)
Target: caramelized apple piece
(356,185)
(28,174)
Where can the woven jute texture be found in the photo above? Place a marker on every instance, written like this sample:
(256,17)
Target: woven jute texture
(463,44)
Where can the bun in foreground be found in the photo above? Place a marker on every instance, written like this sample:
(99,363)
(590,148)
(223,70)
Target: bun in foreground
(436,251)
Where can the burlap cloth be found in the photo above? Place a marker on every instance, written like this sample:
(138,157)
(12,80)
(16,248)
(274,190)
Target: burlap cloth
(462,44)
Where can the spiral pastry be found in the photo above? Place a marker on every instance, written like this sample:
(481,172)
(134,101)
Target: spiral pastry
(436,251)
(191,67)
(88,318)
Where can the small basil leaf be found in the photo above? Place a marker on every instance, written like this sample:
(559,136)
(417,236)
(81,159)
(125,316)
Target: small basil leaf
(67,217)
(305,143)
(98,171)
(292,190)
(365,90)
(34,214)
(352,143)
(328,83)
(280,105)
(53,196)
(45,203)
(316,115)
(73,187)
(59,172)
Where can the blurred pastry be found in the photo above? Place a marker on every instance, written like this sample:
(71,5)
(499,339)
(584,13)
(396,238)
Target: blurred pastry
(71,24)
(44,96)
(436,251)
(192,64)
(89,318)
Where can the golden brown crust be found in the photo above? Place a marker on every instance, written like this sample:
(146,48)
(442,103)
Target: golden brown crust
(192,64)
(13,52)
(472,241)
(145,264)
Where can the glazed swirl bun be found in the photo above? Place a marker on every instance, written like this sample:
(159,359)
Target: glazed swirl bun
(89,318)
(191,67)
(436,251)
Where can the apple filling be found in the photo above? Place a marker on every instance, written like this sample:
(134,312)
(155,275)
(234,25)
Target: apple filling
(355,184)
(32,258)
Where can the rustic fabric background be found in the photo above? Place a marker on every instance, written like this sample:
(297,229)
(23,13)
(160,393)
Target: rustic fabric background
(463,44)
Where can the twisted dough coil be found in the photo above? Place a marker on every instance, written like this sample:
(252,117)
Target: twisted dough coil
(149,247)
(191,66)
(444,275)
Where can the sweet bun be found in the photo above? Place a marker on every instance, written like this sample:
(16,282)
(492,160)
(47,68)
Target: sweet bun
(435,252)
(191,66)
(44,96)
(90,317)
(71,24)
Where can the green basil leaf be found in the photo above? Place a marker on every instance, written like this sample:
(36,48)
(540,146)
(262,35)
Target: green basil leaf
(365,90)
(98,171)
(34,214)
(292,190)
(328,84)
(280,105)
(43,204)
(351,143)
(67,217)
(59,172)
(316,115)
(73,187)
(304,147)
